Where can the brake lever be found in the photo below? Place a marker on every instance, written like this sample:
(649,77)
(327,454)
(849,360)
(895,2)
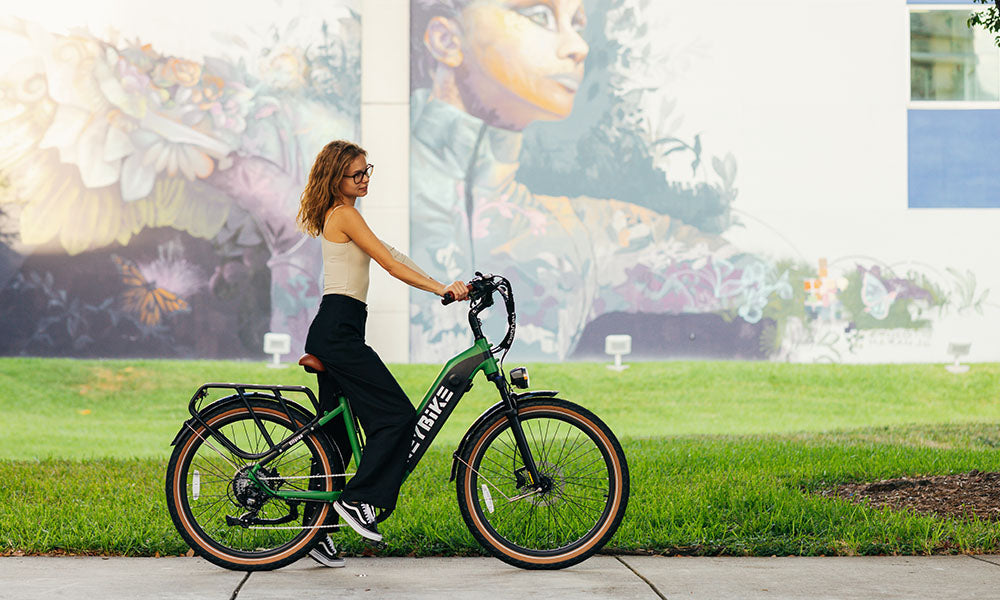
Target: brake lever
(477,286)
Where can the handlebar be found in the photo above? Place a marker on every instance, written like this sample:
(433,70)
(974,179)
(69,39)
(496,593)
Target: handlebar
(481,290)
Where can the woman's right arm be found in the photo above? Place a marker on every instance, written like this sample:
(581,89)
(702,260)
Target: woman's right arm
(353,225)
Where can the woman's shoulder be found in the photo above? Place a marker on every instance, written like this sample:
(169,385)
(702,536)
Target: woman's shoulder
(343,210)
(336,217)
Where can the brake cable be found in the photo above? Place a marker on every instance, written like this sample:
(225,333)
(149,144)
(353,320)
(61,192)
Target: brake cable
(508,339)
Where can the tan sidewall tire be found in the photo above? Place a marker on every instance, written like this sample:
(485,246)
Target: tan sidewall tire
(596,539)
(177,485)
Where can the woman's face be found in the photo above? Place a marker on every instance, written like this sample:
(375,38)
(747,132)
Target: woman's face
(523,59)
(356,168)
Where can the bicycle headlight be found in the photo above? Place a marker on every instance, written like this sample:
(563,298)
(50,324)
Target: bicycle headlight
(519,377)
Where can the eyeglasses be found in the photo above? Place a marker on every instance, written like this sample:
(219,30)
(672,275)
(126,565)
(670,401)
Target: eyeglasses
(360,175)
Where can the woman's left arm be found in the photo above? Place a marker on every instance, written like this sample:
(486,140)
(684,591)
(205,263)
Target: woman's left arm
(353,224)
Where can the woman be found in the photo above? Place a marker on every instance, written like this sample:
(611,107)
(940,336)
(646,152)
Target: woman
(337,335)
(491,68)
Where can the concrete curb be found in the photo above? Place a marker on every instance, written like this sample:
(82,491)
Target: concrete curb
(625,577)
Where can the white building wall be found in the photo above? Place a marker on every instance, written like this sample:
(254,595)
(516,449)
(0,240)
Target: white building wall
(811,95)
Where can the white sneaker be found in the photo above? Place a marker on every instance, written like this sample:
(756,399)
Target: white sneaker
(325,553)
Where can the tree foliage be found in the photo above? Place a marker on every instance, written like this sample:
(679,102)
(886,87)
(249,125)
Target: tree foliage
(988,19)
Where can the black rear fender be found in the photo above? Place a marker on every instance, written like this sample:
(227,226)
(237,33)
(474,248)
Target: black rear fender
(223,404)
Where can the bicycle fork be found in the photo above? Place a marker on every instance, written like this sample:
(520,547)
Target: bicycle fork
(528,475)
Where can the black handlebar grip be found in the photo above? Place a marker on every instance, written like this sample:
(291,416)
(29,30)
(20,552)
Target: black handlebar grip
(448,298)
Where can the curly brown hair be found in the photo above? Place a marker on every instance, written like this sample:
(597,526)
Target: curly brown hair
(321,190)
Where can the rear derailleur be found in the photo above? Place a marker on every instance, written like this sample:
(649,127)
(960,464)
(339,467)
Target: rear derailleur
(248,494)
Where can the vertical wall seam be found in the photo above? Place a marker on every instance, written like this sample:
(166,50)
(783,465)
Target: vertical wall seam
(388,60)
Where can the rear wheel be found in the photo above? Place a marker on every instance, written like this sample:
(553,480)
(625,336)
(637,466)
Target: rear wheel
(227,518)
(583,492)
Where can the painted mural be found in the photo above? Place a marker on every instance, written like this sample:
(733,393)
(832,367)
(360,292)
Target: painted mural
(546,145)
(148,198)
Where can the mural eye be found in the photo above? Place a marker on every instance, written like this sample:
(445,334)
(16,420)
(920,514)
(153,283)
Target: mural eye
(579,21)
(540,15)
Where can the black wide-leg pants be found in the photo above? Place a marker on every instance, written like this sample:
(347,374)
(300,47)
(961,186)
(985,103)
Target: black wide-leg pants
(337,338)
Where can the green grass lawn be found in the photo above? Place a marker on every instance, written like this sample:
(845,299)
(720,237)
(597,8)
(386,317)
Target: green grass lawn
(723,455)
(77,409)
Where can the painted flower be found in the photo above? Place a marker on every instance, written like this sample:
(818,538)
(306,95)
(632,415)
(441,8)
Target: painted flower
(142,132)
(165,145)
(177,71)
(171,271)
(211,89)
(133,79)
(285,68)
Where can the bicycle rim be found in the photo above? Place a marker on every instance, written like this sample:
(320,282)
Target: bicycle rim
(586,495)
(209,484)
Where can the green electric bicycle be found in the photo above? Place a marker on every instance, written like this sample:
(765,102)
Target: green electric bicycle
(542,483)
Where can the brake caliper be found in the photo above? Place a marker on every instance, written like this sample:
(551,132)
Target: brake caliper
(523,478)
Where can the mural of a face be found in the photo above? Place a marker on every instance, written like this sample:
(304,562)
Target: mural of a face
(515,62)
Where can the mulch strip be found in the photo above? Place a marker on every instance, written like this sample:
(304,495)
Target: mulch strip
(961,495)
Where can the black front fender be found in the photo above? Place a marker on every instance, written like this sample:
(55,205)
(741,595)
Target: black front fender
(487,415)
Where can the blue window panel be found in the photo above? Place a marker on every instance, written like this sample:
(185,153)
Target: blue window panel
(952,158)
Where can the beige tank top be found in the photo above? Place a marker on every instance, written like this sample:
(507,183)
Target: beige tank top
(346,267)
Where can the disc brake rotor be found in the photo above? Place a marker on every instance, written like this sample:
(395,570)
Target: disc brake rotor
(556,483)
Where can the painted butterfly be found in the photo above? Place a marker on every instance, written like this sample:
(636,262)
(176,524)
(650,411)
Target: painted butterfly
(143,297)
(876,297)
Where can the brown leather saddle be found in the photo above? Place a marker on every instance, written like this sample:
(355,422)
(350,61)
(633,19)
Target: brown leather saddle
(311,364)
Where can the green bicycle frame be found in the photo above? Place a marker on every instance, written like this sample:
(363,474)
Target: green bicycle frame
(454,380)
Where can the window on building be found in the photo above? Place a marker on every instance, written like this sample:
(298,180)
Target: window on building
(949,61)
(952,116)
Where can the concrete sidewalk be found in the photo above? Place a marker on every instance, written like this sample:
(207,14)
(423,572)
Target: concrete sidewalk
(625,577)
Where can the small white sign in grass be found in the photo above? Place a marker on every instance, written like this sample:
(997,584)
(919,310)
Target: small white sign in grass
(618,345)
(958,350)
(277,344)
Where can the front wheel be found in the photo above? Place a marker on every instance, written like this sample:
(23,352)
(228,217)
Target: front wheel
(566,517)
